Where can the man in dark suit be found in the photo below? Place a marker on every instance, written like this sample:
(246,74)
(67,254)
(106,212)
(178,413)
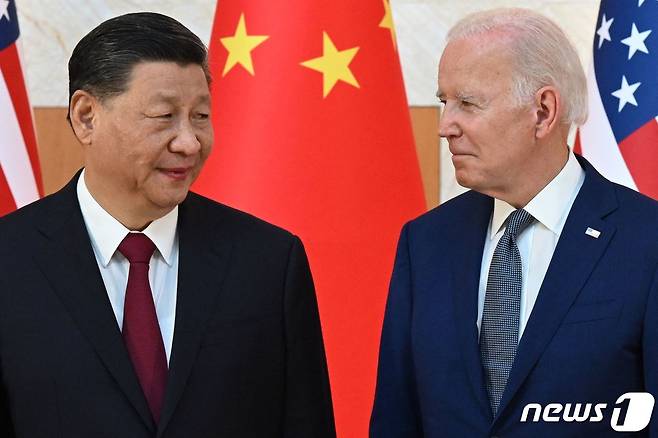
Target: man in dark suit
(130,307)
(540,285)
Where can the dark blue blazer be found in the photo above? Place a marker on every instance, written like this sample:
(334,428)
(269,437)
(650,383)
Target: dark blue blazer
(592,335)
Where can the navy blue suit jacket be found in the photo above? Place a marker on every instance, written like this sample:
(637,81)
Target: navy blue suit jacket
(592,335)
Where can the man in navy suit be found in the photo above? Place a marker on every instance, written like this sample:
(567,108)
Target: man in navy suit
(540,285)
(133,308)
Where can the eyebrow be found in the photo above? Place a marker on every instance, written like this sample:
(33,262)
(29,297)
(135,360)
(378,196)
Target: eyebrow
(205,99)
(459,95)
(169,98)
(465,96)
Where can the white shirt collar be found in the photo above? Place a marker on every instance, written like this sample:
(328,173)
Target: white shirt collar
(106,232)
(551,205)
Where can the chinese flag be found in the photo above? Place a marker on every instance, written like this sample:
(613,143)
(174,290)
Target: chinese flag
(312,133)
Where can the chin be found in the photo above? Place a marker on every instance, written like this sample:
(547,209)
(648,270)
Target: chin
(169,200)
(463,179)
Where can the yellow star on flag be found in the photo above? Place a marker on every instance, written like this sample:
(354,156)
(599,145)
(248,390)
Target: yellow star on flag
(333,64)
(239,47)
(387,22)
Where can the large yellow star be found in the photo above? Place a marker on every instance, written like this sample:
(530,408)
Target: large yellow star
(239,47)
(333,64)
(387,22)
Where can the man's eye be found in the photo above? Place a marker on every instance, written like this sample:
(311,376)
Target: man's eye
(466,103)
(203,116)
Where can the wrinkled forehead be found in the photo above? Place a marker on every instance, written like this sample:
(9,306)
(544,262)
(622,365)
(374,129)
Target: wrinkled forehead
(165,65)
(488,45)
(168,82)
(482,59)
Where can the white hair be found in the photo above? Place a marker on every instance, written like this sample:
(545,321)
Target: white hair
(541,51)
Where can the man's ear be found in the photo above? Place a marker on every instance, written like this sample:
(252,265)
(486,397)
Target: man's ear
(548,104)
(82,111)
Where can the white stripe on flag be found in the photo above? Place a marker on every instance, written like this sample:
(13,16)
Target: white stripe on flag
(14,159)
(598,142)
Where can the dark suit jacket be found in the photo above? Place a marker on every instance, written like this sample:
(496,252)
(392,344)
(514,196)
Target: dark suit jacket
(592,335)
(247,356)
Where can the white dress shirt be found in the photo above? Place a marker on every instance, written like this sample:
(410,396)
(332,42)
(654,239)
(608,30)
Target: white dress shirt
(106,233)
(550,208)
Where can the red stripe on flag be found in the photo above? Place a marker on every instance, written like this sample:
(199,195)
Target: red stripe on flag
(7,203)
(13,74)
(640,151)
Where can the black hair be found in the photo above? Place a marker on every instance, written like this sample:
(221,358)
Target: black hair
(101,63)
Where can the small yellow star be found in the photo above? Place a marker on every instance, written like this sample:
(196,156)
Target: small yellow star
(239,47)
(333,64)
(387,22)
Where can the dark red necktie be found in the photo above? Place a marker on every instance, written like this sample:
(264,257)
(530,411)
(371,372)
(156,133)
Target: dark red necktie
(141,332)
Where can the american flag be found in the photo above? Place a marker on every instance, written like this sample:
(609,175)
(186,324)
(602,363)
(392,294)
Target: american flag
(20,176)
(621,135)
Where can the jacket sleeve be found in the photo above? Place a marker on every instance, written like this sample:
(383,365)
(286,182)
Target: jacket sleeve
(650,351)
(395,412)
(308,410)
(6,425)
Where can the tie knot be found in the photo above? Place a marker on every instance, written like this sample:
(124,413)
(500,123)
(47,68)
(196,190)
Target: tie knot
(517,221)
(137,248)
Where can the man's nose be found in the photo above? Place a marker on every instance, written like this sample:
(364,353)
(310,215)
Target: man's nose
(448,126)
(186,140)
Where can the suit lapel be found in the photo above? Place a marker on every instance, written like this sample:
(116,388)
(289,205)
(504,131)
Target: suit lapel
(465,288)
(205,247)
(575,256)
(69,264)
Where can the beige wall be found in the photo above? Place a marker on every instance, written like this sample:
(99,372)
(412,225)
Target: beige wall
(60,153)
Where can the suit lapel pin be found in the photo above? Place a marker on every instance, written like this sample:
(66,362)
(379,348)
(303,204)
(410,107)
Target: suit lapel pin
(592,232)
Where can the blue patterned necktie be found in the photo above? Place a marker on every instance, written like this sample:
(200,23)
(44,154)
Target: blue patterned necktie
(499,329)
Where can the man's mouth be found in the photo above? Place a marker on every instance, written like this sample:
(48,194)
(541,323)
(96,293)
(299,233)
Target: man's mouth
(176,173)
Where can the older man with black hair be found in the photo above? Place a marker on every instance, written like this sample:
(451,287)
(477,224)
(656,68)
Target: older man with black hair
(519,306)
(131,307)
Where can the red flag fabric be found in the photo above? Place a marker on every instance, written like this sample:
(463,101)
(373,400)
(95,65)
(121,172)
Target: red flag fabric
(621,135)
(20,175)
(312,133)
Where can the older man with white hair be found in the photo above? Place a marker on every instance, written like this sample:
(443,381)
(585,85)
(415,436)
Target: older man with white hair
(528,306)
